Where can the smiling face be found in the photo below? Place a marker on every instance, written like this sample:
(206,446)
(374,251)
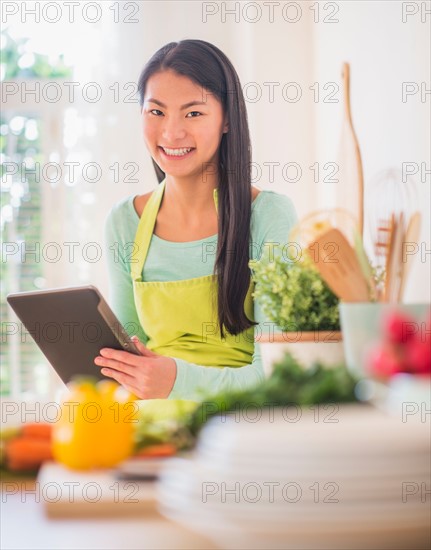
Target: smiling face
(182,124)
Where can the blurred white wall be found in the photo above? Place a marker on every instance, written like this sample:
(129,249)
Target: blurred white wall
(276,47)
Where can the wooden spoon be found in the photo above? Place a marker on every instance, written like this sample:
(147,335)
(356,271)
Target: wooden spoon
(350,189)
(339,267)
(394,260)
(390,246)
(411,235)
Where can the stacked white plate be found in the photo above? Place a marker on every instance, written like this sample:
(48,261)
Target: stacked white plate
(326,477)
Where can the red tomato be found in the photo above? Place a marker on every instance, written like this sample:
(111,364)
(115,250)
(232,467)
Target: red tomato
(400,328)
(384,362)
(418,356)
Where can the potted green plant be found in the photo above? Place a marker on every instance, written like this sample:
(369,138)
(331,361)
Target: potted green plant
(302,309)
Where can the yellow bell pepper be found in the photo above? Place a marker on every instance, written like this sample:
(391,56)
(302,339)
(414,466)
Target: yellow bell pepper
(97,426)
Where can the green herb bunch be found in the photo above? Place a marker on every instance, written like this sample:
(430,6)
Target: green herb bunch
(293,295)
(289,384)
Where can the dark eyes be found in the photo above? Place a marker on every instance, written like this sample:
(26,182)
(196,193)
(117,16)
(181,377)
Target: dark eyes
(192,114)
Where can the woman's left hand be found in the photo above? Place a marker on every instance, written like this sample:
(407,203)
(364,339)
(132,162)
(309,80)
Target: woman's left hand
(148,376)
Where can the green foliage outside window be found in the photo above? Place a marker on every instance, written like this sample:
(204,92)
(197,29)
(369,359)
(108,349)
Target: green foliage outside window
(21,200)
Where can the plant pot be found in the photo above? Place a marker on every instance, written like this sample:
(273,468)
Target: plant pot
(362,328)
(325,347)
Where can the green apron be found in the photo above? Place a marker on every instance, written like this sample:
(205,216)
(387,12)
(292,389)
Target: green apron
(180,317)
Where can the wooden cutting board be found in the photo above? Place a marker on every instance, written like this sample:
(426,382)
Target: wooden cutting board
(64,493)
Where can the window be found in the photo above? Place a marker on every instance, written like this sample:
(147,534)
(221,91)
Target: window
(25,148)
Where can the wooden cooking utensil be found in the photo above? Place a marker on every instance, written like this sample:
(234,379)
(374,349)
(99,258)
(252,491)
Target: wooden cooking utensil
(382,239)
(339,267)
(388,260)
(411,235)
(350,187)
(394,260)
(365,265)
(389,192)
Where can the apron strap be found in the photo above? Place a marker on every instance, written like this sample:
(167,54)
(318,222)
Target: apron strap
(145,231)
(215,196)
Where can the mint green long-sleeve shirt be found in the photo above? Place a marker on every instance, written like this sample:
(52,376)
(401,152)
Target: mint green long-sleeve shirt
(272,218)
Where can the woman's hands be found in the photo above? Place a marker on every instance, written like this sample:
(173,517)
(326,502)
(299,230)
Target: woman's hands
(148,376)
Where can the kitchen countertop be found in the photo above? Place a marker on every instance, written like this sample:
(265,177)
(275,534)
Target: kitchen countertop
(24,525)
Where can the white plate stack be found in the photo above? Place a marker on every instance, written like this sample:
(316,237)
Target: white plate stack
(325,476)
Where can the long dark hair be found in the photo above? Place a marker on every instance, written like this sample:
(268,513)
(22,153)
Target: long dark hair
(209,67)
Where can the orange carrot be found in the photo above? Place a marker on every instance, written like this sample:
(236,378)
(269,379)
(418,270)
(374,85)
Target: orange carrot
(153,451)
(38,430)
(27,453)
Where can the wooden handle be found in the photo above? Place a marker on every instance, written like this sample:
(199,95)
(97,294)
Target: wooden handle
(348,114)
(411,234)
(345,75)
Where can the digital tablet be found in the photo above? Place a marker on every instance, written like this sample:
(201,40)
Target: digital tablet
(70,325)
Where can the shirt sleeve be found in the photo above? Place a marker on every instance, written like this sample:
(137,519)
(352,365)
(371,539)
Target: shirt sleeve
(195,382)
(121,296)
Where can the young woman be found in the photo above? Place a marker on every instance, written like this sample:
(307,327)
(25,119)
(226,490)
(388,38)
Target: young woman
(181,281)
